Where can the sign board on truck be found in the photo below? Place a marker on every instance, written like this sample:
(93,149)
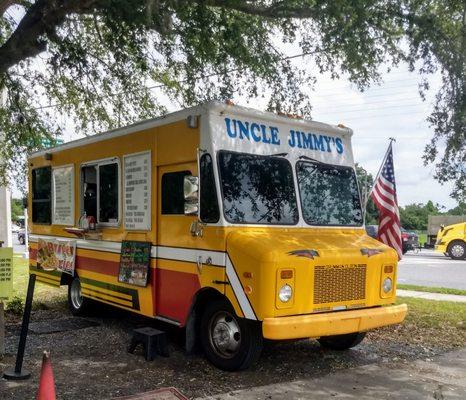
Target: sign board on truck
(6,273)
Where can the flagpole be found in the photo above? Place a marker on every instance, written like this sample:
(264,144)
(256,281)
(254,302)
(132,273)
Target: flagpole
(378,173)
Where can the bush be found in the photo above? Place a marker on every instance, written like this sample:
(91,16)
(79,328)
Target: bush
(15,306)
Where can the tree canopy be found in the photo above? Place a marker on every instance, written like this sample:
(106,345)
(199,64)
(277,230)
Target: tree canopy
(98,61)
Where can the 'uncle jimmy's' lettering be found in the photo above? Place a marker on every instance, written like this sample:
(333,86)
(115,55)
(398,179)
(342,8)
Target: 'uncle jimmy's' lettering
(256,132)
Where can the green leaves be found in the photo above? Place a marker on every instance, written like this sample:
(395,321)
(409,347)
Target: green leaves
(111,62)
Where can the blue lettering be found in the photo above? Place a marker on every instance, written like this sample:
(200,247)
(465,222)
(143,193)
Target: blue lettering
(327,140)
(291,140)
(265,139)
(274,133)
(318,142)
(243,129)
(255,127)
(339,145)
(298,138)
(229,131)
(307,141)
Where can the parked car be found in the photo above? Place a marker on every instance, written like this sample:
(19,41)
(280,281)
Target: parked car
(409,240)
(15,228)
(22,236)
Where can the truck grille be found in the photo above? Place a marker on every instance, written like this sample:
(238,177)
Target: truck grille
(337,283)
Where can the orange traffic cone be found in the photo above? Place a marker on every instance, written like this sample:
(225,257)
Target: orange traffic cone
(46,381)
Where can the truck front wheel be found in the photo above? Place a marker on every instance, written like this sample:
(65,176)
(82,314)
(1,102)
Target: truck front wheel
(77,303)
(342,342)
(457,250)
(229,342)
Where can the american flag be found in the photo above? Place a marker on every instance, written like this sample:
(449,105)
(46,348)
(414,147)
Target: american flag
(384,196)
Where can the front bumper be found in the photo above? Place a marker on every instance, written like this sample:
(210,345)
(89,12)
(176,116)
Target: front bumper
(335,323)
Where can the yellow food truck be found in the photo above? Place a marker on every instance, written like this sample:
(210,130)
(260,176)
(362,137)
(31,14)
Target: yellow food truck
(451,241)
(236,224)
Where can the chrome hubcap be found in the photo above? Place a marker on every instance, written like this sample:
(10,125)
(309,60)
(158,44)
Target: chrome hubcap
(225,334)
(75,294)
(457,250)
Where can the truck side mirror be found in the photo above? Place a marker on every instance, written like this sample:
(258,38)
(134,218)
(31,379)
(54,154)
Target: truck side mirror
(442,227)
(191,195)
(25,202)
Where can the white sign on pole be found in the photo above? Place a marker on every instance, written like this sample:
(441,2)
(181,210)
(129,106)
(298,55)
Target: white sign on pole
(137,191)
(63,195)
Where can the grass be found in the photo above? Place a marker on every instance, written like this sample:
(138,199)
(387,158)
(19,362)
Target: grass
(42,293)
(435,314)
(430,289)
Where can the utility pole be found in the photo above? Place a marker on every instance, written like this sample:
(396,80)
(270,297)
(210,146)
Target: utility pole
(5,201)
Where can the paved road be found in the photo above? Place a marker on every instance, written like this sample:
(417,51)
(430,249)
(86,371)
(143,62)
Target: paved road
(440,378)
(428,268)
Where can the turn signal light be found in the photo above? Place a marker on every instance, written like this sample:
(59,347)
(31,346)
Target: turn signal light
(247,275)
(388,269)
(286,274)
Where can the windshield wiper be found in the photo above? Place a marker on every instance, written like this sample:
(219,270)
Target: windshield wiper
(310,159)
(279,155)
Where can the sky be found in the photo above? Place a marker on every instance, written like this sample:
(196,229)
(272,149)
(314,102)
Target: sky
(396,110)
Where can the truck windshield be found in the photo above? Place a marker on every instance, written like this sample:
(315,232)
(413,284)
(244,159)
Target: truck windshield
(329,194)
(257,189)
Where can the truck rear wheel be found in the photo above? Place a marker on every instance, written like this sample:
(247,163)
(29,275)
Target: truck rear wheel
(457,250)
(342,342)
(229,342)
(77,303)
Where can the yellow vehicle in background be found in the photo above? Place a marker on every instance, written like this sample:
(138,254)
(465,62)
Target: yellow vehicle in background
(235,224)
(451,241)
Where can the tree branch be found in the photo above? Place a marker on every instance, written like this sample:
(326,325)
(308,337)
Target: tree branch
(29,38)
(277,10)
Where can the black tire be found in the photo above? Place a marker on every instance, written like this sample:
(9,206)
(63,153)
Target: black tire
(457,250)
(77,303)
(342,342)
(241,343)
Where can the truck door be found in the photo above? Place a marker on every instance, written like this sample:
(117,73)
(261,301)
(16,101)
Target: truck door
(185,262)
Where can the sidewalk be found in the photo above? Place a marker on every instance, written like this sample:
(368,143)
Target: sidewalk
(431,296)
(440,378)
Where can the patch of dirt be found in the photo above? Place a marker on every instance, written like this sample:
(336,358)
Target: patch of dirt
(94,363)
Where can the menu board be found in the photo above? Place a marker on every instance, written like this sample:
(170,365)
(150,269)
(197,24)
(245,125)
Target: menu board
(137,191)
(6,273)
(63,195)
(134,262)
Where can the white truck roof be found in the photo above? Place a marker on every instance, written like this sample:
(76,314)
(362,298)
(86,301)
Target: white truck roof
(243,129)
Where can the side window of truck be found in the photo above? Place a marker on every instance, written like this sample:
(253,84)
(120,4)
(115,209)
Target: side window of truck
(172,192)
(108,193)
(209,203)
(42,195)
(100,192)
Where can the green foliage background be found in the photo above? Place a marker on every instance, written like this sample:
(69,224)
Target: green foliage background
(107,63)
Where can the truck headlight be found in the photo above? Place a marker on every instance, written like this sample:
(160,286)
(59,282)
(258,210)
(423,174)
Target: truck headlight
(387,285)
(285,293)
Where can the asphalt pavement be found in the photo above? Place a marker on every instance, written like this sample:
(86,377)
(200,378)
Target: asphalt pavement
(441,378)
(428,268)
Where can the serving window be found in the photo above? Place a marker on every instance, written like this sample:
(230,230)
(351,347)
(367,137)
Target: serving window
(100,191)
